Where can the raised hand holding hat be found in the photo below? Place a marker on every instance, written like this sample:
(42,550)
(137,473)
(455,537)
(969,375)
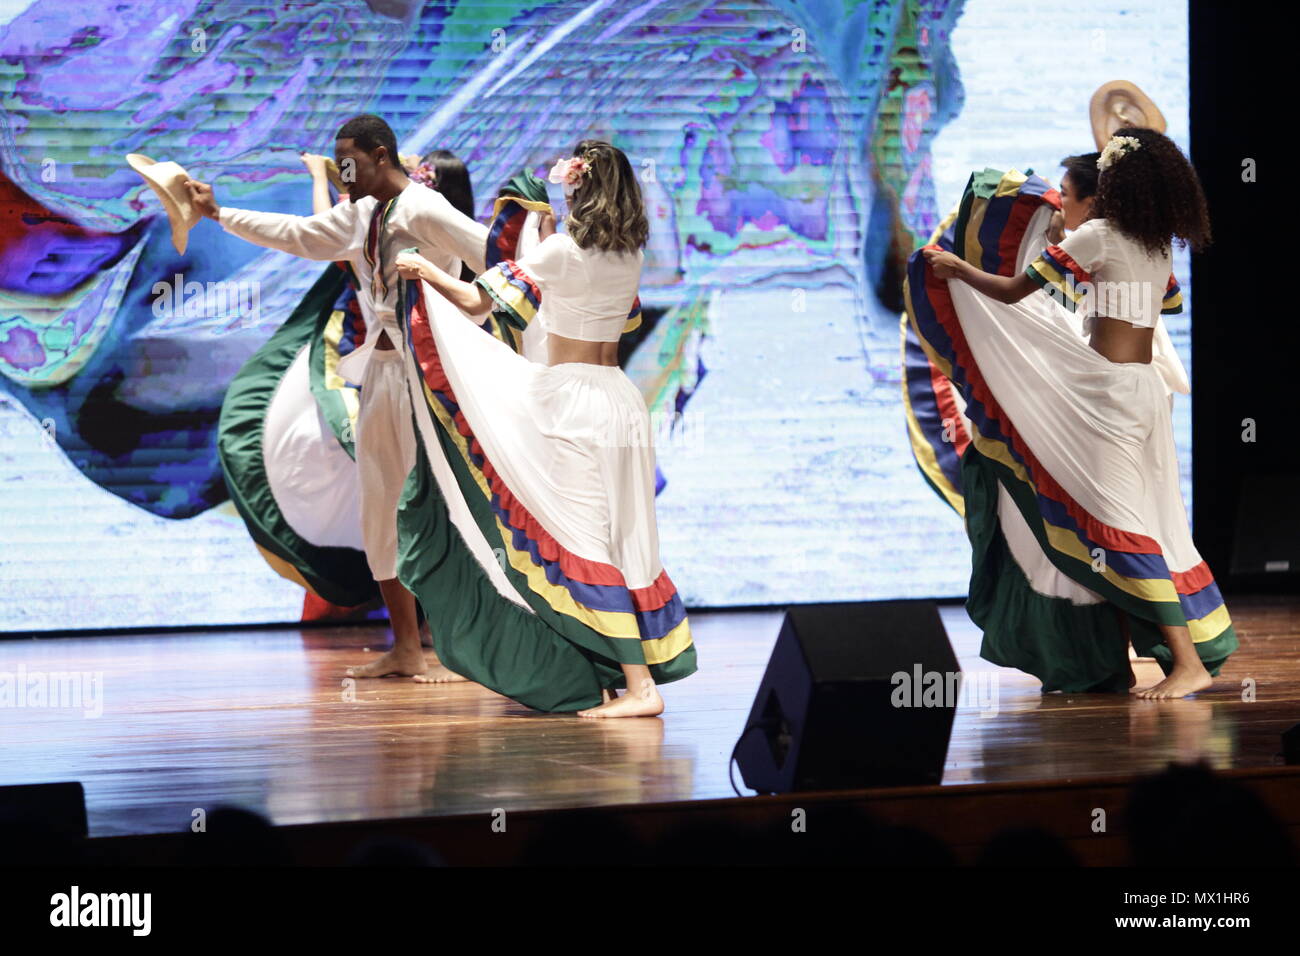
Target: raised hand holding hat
(168,180)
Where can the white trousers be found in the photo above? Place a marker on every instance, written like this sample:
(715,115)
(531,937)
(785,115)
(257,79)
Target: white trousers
(385,456)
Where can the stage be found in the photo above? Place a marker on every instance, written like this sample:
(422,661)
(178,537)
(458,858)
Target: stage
(265,720)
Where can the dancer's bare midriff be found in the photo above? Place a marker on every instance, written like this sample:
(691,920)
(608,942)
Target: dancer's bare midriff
(1120,341)
(562,350)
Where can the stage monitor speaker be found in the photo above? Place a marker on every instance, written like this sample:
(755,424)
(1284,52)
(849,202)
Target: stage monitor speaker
(1267,538)
(855,695)
(1291,746)
(58,808)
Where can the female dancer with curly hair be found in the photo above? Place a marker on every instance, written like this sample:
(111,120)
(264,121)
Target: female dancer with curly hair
(1076,434)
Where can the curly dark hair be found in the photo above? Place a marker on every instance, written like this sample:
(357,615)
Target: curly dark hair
(369,132)
(1152,195)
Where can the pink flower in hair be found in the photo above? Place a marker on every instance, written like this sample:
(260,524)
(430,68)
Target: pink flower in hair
(425,175)
(568,171)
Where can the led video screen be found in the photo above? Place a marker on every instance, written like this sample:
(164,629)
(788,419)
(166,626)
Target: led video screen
(791,156)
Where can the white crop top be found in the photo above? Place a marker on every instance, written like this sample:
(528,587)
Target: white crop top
(1106,273)
(586,295)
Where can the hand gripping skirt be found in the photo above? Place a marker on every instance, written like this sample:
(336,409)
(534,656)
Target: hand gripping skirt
(527,529)
(1068,479)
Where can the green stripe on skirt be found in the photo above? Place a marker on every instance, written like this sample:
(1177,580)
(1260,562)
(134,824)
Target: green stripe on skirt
(1069,647)
(545,660)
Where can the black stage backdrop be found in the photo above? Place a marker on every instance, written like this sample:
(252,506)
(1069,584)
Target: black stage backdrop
(1243,336)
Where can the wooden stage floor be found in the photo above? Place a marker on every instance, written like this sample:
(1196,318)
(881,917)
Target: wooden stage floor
(262,720)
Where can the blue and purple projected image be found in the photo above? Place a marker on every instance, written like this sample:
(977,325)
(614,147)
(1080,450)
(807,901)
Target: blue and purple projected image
(792,155)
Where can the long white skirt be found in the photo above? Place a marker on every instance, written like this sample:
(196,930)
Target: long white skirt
(1102,430)
(551,470)
(571,442)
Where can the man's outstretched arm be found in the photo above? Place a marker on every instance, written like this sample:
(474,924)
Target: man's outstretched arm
(326,236)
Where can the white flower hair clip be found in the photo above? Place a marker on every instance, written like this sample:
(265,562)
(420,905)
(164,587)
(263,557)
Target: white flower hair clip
(569,172)
(1117,146)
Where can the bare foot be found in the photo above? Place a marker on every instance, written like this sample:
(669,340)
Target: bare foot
(394,663)
(1179,683)
(648,704)
(437,674)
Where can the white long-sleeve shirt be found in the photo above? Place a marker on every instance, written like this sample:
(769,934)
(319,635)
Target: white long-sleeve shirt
(422,218)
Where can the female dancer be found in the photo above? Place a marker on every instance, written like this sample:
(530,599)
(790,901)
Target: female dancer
(443,170)
(1078,187)
(1074,434)
(558,460)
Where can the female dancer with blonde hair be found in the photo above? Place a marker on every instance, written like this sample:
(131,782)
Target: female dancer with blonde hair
(553,463)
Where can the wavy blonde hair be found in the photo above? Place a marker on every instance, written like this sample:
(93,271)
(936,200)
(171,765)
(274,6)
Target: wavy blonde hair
(606,211)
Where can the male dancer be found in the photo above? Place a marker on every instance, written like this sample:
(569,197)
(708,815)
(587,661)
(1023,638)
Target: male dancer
(386,212)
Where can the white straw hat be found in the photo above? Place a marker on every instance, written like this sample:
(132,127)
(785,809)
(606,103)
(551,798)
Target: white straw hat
(1120,103)
(168,181)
